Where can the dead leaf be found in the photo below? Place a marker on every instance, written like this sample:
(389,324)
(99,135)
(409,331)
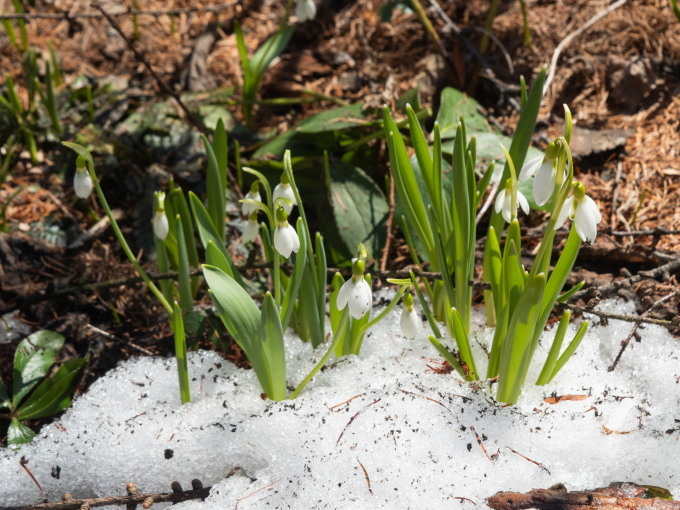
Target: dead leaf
(560,398)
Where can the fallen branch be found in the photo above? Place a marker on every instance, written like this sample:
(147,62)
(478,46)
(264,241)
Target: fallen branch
(625,497)
(132,499)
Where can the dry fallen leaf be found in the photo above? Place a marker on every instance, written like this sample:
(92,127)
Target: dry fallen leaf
(557,399)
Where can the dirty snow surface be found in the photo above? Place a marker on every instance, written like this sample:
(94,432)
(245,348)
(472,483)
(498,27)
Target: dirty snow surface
(383,430)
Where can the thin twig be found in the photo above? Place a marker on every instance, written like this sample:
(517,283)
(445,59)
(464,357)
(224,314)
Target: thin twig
(164,87)
(133,498)
(129,12)
(567,40)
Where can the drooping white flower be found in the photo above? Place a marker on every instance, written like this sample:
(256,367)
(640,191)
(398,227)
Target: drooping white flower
(504,202)
(305,10)
(543,167)
(356,292)
(82,181)
(251,230)
(283,195)
(161,227)
(254,194)
(583,211)
(160,220)
(410,321)
(286,239)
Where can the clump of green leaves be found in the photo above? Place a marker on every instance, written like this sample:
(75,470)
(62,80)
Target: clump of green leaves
(34,393)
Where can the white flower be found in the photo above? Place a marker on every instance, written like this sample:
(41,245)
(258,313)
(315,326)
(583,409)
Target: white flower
(583,211)
(284,197)
(160,225)
(305,10)
(286,239)
(82,183)
(357,293)
(504,203)
(251,230)
(248,209)
(545,173)
(410,322)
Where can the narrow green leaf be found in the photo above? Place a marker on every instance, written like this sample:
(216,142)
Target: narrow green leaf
(241,317)
(564,297)
(219,145)
(271,333)
(549,365)
(183,269)
(421,149)
(181,354)
(54,393)
(516,355)
(181,207)
(557,279)
(463,343)
(207,232)
(569,351)
(163,267)
(215,257)
(215,184)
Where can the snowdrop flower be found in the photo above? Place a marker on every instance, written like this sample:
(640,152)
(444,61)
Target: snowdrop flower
(356,292)
(251,229)
(254,194)
(504,203)
(410,321)
(305,10)
(583,211)
(286,239)
(82,181)
(543,167)
(284,196)
(160,220)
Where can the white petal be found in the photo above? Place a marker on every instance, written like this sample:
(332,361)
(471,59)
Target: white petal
(248,209)
(284,191)
(82,183)
(523,203)
(160,225)
(360,300)
(410,322)
(286,240)
(500,198)
(250,231)
(544,184)
(305,9)
(564,213)
(343,294)
(508,213)
(584,221)
(595,211)
(529,168)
